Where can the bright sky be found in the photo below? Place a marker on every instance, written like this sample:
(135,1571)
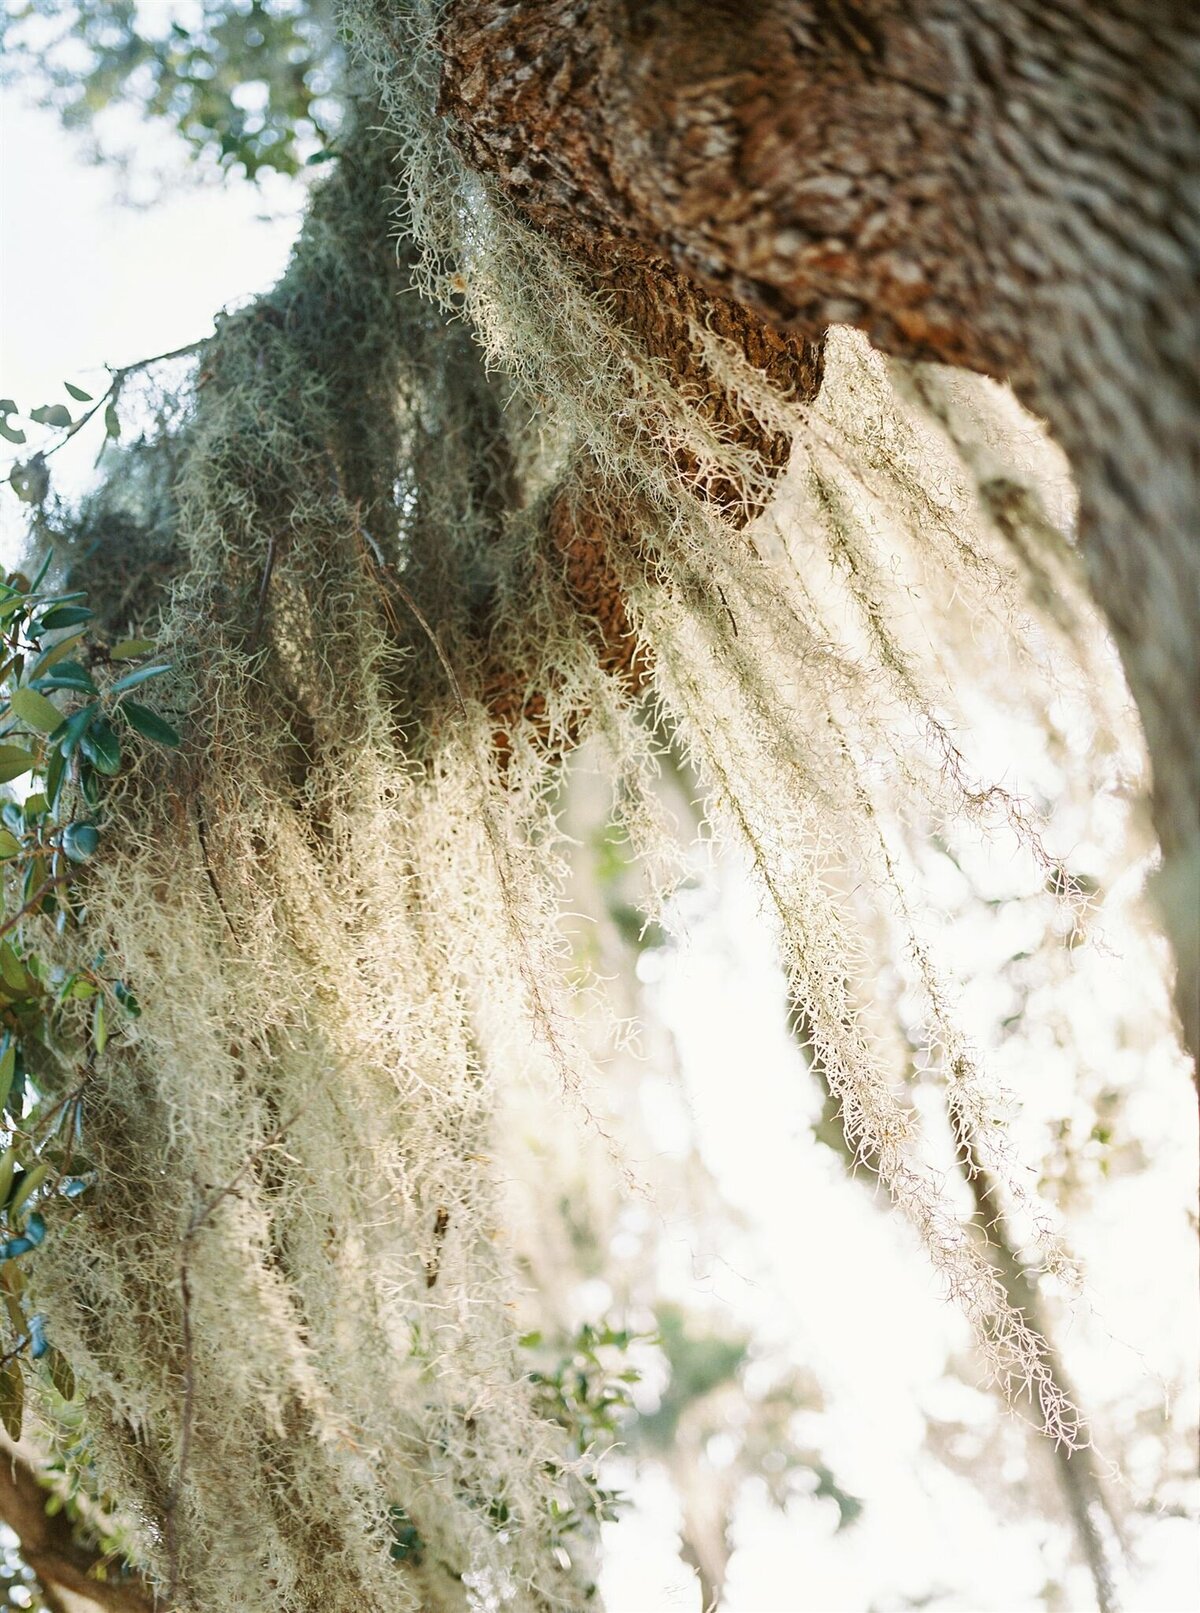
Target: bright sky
(85,282)
(845,1280)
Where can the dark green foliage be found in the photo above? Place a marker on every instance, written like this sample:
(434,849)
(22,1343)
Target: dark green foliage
(407,1545)
(57,739)
(118,546)
(700,1362)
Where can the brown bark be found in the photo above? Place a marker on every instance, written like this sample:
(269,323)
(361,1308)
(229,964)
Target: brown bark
(1010,185)
(658,307)
(581,533)
(65,1568)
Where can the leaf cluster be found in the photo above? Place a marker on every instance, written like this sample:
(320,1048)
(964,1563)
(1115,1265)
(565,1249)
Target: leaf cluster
(247,87)
(66,722)
(583,1384)
(587,1389)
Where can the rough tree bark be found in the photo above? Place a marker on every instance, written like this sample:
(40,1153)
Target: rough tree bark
(1011,185)
(657,305)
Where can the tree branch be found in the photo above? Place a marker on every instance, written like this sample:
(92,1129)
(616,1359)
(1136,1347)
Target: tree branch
(997,186)
(49,1546)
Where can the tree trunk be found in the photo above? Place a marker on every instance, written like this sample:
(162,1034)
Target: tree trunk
(1011,185)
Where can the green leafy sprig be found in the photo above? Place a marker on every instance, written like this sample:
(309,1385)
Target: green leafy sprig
(66,725)
(30,478)
(585,1386)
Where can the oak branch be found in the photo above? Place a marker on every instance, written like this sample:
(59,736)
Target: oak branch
(1010,185)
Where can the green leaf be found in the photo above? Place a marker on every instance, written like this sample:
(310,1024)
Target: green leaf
(78,393)
(56,772)
(37,1349)
(142,674)
(67,675)
(33,878)
(102,747)
(35,710)
(32,587)
(8,1066)
(148,723)
(10,846)
(61,1374)
(127,1000)
(99,1025)
(14,760)
(53,655)
(68,735)
(112,422)
(27,1187)
(30,481)
(65,616)
(12,1398)
(79,841)
(89,784)
(51,414)
(13,433)
(8,406)
(127,648)
(13,971)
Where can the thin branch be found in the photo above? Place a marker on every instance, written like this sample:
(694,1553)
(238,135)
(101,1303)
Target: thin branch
(202,837)
(112,390)
(1097,1528)
(263,590)
(65,1567)
(200,1216)
(34,902)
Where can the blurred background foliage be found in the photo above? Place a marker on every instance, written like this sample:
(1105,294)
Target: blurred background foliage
(248,89)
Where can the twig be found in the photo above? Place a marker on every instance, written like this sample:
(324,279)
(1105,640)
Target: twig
(200,1216)
(109,395)
(33,902)
(1078,1473)
(202,836)
(268,568)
